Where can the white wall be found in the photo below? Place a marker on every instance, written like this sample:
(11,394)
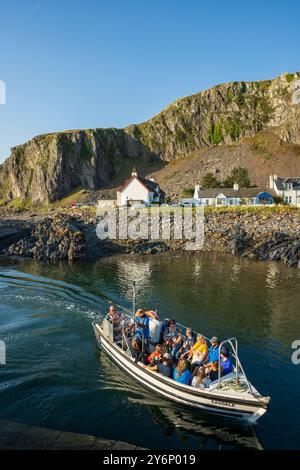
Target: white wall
(289,193)
(135,191)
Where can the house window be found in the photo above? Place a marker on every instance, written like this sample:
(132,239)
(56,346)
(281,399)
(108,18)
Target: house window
(288,199)
(207,202)
(289,185)
(221,201)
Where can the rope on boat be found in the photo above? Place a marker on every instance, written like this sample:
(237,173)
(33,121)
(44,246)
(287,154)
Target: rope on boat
(235,385)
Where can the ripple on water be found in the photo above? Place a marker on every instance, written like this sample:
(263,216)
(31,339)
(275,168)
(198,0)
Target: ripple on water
(56,377)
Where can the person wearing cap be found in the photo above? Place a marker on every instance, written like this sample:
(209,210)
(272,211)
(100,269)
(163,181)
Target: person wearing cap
(164,367)
(140,324)
(213,353)
(225,361)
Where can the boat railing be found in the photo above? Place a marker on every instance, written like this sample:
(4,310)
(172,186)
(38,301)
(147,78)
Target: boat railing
(238,365)
(125,340)
(234,353)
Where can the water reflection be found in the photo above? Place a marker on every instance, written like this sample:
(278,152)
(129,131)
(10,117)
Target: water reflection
(215,294)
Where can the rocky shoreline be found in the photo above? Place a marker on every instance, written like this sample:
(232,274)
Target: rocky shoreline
(71,235)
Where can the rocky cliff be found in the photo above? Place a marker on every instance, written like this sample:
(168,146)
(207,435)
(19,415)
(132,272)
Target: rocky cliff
(255,233)
(51,166)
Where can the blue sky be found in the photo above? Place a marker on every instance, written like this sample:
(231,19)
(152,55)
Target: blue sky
(73,64)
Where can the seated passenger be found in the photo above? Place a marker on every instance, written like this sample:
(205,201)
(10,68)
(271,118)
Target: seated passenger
(173,338)
(225,361)
(164,326)
(213,352)
(198,353)
(182,373)
(188,343)
(137,344)
(200,380)
(164,367)
(154,358)
(213,369)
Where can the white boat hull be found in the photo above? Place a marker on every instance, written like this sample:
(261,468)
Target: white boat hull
(212,401)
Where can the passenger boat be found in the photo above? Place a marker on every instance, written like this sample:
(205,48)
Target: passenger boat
(231,395)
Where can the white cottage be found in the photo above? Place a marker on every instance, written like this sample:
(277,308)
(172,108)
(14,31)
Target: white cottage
(140,190)
(235,196)
(288,188)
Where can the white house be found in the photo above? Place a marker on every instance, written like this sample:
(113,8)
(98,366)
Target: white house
(235,196)
(288,188)
(140,190)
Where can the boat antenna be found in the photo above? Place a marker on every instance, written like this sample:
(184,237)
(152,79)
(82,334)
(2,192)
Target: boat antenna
(133,298)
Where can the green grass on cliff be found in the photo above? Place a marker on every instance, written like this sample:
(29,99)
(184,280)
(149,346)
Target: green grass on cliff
(19,205)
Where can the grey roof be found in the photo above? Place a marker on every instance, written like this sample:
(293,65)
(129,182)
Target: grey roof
(230,192)
(151,185)
(281,182)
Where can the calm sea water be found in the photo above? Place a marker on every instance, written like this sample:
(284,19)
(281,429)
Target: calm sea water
(56,377)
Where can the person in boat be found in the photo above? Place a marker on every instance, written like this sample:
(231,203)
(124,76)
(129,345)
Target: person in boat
(188,343)
(198,353)
(225,361)
(140,325)
(200,380)
(151,314)
(113,316)
(213,352)
(182,373)
(164,366)
(173,338)
(154,358)
(213,371)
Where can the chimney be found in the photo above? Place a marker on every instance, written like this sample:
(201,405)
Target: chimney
(272,179)
(197,191)
(134,172)
(236,187)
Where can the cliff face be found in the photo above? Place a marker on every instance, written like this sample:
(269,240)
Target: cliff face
(51,166)
(224,115)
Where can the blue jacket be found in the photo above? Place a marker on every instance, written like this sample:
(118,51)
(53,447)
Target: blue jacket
(184,378)
(213,354)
